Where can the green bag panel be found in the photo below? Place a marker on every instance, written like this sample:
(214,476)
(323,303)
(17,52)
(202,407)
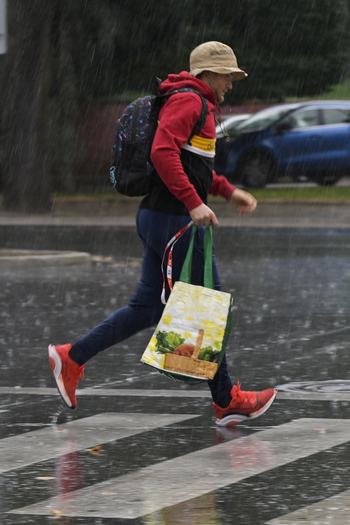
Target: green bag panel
(186,271)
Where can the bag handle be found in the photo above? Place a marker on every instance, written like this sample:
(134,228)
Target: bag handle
(208,259)
(169,269)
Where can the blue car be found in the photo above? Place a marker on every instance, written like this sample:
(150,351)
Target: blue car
(305,140)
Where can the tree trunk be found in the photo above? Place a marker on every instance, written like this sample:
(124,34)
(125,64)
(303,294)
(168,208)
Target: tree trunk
(26,177)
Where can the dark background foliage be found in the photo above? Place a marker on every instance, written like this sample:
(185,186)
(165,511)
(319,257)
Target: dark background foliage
(65,57)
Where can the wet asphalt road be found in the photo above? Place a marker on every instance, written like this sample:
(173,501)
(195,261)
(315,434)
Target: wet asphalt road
(290,328)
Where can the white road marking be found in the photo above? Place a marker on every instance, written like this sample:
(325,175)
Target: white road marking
(46,443)
(177,480)
(330,511)
(313,396)
(202,394)
(108,392)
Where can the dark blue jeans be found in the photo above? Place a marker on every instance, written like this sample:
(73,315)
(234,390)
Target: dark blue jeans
(145,309)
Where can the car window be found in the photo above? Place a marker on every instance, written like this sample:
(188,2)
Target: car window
(231,129)
(302,118)
(262,119)
(229,126)
(336,115)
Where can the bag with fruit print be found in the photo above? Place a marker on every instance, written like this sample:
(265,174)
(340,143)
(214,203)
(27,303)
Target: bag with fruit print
(189,341)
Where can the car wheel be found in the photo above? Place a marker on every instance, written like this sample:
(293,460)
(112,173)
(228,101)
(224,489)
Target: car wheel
(328,178)
(257,170)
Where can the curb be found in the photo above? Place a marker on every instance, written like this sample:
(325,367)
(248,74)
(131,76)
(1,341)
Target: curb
(23,258)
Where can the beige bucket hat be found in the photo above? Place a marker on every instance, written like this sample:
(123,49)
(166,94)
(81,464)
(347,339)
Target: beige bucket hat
(216,57)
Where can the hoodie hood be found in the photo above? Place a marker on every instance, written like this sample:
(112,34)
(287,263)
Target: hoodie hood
(185,80)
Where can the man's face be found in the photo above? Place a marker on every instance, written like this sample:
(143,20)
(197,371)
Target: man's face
(220,84)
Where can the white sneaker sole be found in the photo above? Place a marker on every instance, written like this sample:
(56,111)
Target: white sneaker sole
(234,419)
(56,371)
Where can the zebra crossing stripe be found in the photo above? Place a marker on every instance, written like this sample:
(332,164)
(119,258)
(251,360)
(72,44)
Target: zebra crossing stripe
(114,392)
(41,445)
(334,511)
(177,480)
(136,392)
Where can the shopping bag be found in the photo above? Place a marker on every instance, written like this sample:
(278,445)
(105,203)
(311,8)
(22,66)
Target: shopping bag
(189,341)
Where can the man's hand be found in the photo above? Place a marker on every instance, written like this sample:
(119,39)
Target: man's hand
(204,216)
(244,201)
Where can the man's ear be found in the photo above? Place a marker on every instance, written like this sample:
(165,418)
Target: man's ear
(205,74)
(205,77)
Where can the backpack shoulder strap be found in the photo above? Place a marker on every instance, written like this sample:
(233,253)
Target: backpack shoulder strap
(202,118)
(204,113)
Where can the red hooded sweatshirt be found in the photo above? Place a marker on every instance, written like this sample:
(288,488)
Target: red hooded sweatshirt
(185,168)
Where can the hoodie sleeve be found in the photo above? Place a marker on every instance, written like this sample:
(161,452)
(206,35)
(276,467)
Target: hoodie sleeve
(177,119)
(221,186)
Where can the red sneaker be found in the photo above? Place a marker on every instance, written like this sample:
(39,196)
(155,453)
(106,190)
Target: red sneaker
(244,405)
(66,373)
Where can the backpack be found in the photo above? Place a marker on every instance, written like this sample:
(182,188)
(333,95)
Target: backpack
(132,172)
